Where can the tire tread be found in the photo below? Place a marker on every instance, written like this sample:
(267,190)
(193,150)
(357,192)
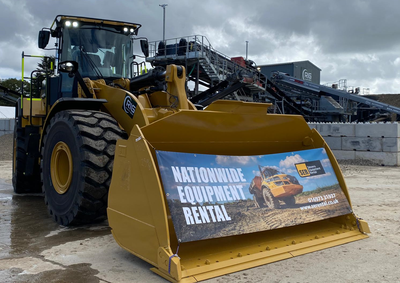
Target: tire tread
(96,134)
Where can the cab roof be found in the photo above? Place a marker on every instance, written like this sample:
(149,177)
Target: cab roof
(61,19)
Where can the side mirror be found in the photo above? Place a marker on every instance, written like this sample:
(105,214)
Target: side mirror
(144,45)
(43,40)
(68,67)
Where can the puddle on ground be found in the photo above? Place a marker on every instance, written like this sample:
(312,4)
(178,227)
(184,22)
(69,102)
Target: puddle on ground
(33,248)
(27,229)
(75,273)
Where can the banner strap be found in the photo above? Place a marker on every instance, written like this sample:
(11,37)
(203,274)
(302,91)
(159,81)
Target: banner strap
(149,144)
(141,137)
(174,255)
(358,221)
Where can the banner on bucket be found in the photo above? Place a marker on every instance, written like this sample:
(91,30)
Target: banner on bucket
(211,196)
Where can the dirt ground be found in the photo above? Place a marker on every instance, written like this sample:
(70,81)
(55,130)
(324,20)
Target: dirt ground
(35,249)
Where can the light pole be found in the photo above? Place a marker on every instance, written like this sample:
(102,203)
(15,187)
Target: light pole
(163,6)
(247,48)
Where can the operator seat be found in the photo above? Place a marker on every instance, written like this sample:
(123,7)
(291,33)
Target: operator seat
(109,62)
(109,59)
(95,59)
(86,60)
(86,63)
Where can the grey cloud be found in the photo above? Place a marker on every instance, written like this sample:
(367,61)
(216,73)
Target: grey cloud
(340,26)
(338,36)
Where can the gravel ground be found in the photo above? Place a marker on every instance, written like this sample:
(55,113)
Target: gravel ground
(33,248)
(6,145)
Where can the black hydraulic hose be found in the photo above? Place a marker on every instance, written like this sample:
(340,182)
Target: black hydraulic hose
(153,77)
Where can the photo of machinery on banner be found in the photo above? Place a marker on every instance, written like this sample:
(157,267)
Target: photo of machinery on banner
(212,196)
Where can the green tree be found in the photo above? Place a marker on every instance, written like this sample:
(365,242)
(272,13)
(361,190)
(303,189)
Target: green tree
(45,65)
(6,103)
(16,85)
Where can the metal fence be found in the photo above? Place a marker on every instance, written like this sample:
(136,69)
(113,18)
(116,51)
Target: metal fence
(6,126)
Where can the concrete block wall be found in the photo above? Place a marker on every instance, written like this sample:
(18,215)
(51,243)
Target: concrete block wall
(6,126)
(377,142)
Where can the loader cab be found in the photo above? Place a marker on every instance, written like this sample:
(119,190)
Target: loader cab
(100,52)
(102,48)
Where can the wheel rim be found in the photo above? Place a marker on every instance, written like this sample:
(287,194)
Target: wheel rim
(61,167)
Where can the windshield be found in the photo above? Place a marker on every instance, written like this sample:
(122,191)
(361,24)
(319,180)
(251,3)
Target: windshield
(100,53)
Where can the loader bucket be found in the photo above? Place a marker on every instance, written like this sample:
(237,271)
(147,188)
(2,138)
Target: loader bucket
(143,218)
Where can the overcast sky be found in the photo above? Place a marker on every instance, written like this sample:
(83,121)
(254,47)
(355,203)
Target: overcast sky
(348,39)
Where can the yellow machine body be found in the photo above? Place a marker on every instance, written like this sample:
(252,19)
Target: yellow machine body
(138,212)
(34,109)
(281,186)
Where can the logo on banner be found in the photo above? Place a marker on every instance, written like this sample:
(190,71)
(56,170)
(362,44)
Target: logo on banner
(129,106)
(311,168)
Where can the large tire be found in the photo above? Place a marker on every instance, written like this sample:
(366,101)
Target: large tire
(290,201)
(270,201)
(21,182)
(78,156)
(258,202)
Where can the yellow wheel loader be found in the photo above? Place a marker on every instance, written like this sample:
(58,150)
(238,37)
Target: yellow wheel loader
(101,141)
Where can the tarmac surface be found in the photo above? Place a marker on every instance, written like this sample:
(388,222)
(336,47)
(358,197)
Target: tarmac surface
(35,249)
